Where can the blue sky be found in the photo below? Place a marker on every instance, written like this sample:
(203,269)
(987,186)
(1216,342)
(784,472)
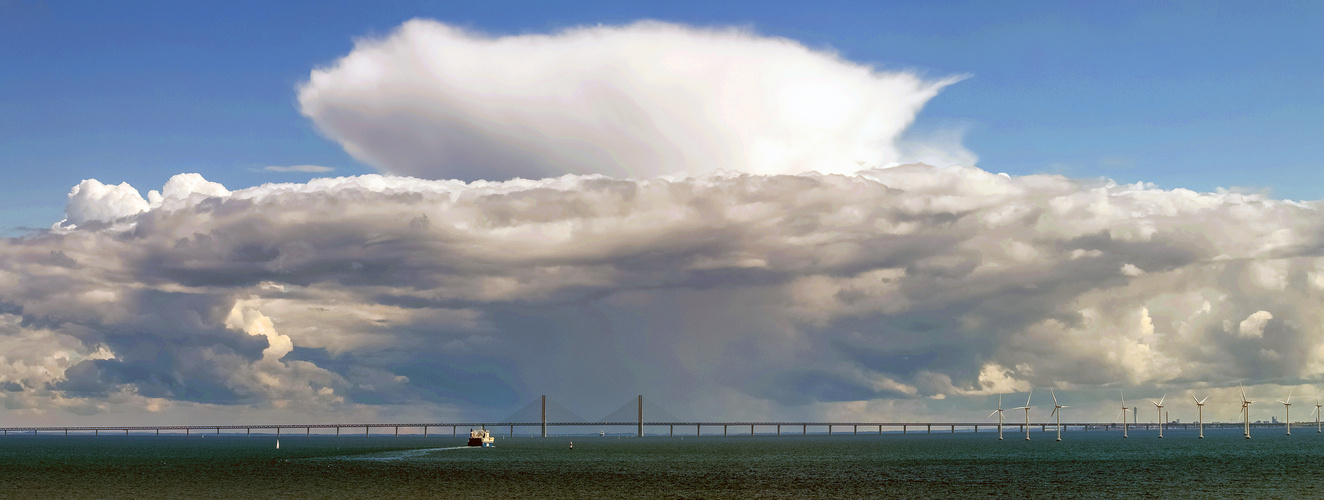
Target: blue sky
(1198,95)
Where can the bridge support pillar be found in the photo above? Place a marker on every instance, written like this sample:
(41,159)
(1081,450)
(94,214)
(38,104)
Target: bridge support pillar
(903,429)
(930,428)
(751,429)
(672,432)
(544,415)
(365,431)
(698,429)
(723,431)
(277,432)
(804,430)
(880,429)
(779,429)
(425,431)
(641,415)
(452,431)
(953,429)
(247,432)
(218,431)
(829,429)
(855,430)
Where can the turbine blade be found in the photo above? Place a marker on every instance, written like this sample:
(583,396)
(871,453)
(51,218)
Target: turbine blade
(1206,398)
(1119,391)
(1118,415)
(1289,395)
(1027,398)
(1160,401)
(990,415)
(1050,415)
(1054,393)
(1064,406)
(1243,391)
(1197,402)
(999,401)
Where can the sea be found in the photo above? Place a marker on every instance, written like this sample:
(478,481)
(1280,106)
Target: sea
(1086,464)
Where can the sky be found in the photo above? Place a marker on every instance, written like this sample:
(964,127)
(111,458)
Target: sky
(406,210)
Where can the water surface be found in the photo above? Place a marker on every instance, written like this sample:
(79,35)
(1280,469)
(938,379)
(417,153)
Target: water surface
(1085,465)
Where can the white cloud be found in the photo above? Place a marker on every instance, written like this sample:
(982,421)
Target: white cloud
(437,101)
(1253,325)
(91,200)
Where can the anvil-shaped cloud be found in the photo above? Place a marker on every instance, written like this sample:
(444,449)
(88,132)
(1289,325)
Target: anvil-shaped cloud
(436,101)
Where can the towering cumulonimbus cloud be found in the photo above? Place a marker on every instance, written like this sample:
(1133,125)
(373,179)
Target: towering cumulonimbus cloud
(795,295)
(748,288)
(436,101)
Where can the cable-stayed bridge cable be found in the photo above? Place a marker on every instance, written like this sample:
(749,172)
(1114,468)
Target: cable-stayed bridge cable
(533,413)
(629,412)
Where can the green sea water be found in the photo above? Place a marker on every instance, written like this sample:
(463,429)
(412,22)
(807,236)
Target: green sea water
(1085,465)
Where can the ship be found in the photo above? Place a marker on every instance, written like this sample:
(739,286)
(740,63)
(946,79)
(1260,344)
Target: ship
(481,438)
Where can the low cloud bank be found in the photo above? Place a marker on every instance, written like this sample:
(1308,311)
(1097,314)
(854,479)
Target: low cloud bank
(788,293)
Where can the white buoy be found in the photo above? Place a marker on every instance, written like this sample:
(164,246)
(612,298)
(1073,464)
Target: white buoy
(277,444)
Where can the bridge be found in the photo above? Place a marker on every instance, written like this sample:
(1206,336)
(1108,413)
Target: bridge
(535,415)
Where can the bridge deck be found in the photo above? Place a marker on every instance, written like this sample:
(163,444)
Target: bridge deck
(700,424)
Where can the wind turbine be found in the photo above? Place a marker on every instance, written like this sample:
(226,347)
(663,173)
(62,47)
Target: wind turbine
(1057,410)
(1199,403)
(1159,407)
(1287,405)
(999,412)
(1027,413)
(1245,409)
(1123,413)
(1317,413)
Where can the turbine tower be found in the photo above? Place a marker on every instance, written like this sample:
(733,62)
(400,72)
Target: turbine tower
(1158,405)
(1057,410)
(1027,413)
(1199,403)
(1123,414)
(1287,405)
(1245,410)
(999,412)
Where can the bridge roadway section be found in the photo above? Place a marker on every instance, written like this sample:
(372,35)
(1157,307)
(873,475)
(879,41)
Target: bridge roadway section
(767,427)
